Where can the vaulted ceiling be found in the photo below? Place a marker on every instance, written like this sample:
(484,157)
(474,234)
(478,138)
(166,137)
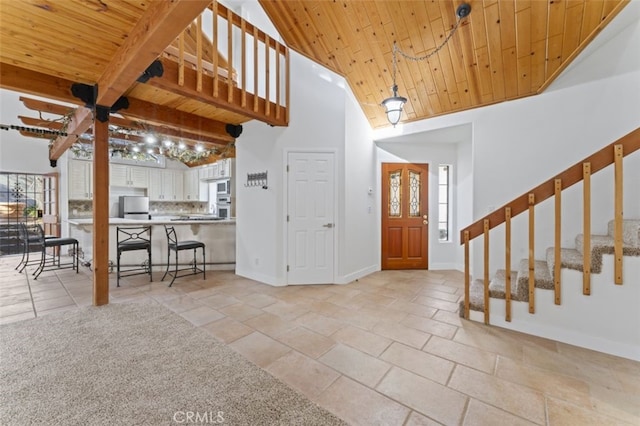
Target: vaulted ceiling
(504,49)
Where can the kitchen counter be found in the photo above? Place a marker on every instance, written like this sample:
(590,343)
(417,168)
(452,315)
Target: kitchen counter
(219,236)
(168,220)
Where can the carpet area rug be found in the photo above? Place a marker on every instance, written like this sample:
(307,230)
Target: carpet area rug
(136,364)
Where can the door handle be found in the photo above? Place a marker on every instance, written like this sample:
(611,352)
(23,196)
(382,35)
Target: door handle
(328,225)
(424,216)
(425,222)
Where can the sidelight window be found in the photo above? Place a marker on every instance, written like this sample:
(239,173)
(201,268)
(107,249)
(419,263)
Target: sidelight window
(444,205)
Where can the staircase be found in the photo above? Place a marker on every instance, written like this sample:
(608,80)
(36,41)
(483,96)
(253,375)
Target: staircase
(587,295)
(572,258)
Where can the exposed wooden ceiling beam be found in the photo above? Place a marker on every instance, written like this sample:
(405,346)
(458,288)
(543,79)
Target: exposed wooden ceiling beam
(161,23)
(38,84)
(81,121)
(160,130)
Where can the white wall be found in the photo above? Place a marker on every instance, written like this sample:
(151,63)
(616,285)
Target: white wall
(317,117)
(360,225)
(519,144)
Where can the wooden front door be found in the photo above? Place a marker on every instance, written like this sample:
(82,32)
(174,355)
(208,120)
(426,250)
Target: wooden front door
(405,216)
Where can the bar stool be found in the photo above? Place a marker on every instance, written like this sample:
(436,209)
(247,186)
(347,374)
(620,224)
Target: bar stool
(29,238)
(177,246)
(133,238)
(56,243)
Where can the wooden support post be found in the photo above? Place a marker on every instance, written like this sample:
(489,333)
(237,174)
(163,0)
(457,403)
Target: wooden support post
(466,275)
(532,260)
(558,242)
(617,230)
(101,207)
(507,251)
(586,247)
(486,271)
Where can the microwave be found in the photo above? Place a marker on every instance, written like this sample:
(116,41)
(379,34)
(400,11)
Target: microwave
(223,187)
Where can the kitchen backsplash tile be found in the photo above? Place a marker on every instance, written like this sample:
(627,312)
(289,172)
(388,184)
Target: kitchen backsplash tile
(83,209)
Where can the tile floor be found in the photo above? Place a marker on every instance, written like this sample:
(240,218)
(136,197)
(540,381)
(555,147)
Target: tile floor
(389,349)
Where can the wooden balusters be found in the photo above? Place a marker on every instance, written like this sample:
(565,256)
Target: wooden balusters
(230,55)
(617,221)
(181,59)
(214,48)
(557,250)
(243,28)
(586,246)
(507,251)
(199,54)
(486,271)
(255,69)
(532,260)
(267,60)
(466,275)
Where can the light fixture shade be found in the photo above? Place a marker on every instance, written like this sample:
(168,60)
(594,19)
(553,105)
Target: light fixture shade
(393,107)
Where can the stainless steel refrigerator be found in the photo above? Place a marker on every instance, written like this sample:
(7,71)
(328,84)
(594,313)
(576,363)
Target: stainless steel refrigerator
(131,207)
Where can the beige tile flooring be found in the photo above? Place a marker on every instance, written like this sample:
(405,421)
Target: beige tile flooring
(389,349)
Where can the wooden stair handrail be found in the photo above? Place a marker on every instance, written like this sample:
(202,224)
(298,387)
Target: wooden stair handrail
(569,177)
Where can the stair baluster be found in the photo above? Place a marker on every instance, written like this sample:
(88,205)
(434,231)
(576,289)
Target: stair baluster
(486,271)
(617,243)
(532,253)
(558,240)
(507,286)
(586,213)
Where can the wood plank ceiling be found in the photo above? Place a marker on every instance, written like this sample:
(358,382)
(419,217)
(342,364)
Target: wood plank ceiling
(45,46)
(505,49)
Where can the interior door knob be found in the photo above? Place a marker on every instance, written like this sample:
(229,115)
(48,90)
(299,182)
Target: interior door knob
(328,225)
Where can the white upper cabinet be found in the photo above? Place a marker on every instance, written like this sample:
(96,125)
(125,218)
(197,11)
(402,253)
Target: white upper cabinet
(80,180)
(129,176)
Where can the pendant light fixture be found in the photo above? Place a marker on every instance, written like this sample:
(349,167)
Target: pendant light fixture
(394,104)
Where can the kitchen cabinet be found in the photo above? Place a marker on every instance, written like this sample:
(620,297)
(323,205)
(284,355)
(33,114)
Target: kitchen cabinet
(129,176)
(225,167)
(80,180)
(209,172)
(194,190)
(165,185)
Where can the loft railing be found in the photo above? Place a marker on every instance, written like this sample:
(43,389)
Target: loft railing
(259,85)
(581,171)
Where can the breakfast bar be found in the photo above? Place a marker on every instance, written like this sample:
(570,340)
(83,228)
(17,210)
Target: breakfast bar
(218,235)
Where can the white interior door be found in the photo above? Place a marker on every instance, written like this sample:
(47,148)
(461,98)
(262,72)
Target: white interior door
(310,213)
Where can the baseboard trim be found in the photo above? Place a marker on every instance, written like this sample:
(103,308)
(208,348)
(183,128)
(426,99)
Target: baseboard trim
(346,279)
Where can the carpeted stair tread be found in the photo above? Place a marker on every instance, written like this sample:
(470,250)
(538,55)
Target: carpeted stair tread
(498,285)
(476,297)
(630,231)
(542,278)
(570,259)
(596,241)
